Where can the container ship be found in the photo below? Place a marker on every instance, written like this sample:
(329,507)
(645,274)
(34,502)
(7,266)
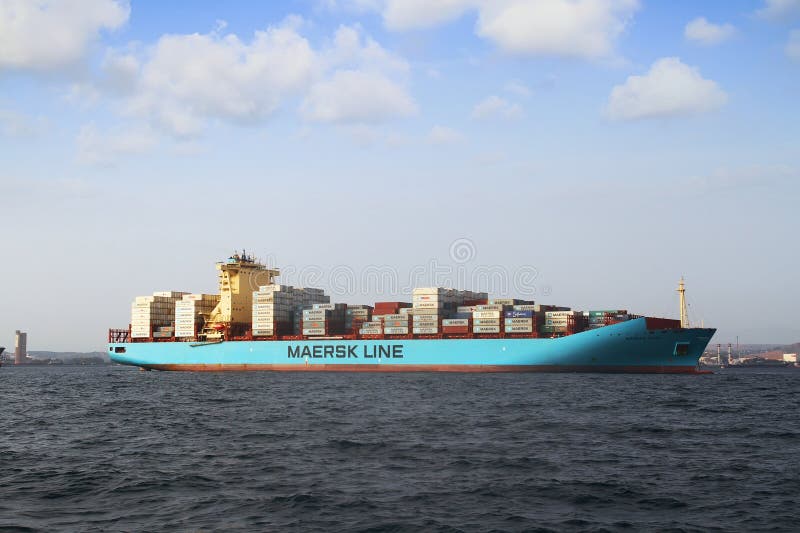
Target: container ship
(255,323)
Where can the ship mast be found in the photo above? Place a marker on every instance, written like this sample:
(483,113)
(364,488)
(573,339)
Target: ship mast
(684,313)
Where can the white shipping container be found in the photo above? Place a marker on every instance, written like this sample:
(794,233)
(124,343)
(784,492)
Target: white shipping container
(396,331)
(169,294)
(486,329)
(524,307)
(489,307)
(455,322)
(313,331)
(554,314)
(486,322)
(425,331)
(519,329)
(519,322)
(395,317)
(486,314)
(371,331)
(427,305)
(428,298)
(429,290)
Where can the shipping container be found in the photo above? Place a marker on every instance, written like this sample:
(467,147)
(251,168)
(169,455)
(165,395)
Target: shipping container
(519,322)
(518,329)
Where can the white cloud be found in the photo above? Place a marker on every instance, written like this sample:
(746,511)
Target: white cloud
(350,49)
(793,45)
(351,6)
(96,147)
(187,79)
(496,107)
(182,82)
(120,72)
(779,9)
(53,34)
(702,31)
(355,96)
(669,88)
(440,135)
(572,28)
(412,14)
(361,82)
(518,88)
(16,124)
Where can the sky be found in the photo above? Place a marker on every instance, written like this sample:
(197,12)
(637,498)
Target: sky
(586,153)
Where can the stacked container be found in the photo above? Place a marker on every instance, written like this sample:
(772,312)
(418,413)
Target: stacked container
(432,305)
(563,322)
(456,326)
(324,319)
(275,308)
(598,319)
(396,324)
(164,332)
(149,313)
(486,318)
(388,308)
(374,327)
(356,316)
(519,321)
(191,313)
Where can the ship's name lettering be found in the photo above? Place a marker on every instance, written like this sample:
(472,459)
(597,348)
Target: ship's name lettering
(342,351)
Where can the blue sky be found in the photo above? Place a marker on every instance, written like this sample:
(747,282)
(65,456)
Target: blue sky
(609,146)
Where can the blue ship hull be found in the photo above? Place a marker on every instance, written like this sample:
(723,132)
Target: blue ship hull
(624,347)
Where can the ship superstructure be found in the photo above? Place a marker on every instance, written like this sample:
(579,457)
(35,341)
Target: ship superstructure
(239,276)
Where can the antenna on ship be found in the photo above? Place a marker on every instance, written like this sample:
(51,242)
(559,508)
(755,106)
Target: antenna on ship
(684,312)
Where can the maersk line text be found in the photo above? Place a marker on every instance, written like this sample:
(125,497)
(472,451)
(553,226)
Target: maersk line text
(342,351)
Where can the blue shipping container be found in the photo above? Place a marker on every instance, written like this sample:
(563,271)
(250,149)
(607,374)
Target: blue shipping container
(519,314)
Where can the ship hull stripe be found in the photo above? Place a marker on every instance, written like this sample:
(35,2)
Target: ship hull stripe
(619,369)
